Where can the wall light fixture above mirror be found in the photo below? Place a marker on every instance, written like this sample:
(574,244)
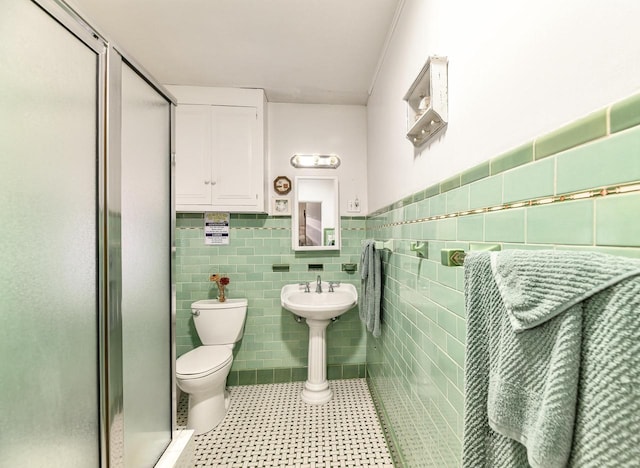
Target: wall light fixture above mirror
(317,161)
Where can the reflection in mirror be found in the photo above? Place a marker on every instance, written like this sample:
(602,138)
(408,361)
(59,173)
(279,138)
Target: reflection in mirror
(310,224)
(316,217)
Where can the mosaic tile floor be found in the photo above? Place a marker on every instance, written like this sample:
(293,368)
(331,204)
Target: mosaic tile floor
(268,425)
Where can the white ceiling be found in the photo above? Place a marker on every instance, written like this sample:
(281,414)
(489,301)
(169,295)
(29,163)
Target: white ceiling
(309,51)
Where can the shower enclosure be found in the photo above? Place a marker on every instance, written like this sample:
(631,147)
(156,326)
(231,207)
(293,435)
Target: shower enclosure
(86,247)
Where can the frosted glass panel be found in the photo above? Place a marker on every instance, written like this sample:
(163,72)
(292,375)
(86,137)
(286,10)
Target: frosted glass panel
(146,270)
(48,244)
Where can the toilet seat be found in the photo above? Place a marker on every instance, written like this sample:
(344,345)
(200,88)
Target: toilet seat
(202,361)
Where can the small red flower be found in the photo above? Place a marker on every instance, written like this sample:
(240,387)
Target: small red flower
(224,281)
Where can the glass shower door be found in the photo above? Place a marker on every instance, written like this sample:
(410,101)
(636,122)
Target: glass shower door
(146,270)
(49,240)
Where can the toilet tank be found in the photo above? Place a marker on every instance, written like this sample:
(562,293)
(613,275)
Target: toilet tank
(219,323)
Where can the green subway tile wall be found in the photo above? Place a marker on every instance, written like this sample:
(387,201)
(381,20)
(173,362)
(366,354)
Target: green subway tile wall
(625,114)
(475,173)
(605,162)
(588,128)
(530,181)
(562,223)
(274,346)
(486,192)
(617,220)
(415,368)
(510,159)
(505,226)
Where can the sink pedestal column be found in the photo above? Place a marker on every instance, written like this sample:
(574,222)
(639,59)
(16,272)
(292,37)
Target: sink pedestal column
(316,389)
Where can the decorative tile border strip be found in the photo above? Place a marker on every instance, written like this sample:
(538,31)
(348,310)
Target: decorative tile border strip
(246,216)
(571,196)
(248,228)
(240,228)
(262,228)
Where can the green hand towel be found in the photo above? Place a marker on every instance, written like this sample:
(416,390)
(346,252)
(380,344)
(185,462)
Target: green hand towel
(542,341)
(371,287)
(535,286)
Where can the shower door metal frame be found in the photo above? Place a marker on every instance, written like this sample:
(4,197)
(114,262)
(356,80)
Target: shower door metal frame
(113,367)
(108,169)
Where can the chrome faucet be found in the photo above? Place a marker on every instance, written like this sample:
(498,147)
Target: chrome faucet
(318,284)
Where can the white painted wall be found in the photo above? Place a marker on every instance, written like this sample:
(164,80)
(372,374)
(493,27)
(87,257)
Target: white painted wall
(516,70)
(315,128)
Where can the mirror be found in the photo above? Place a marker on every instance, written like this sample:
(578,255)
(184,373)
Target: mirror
(316,214)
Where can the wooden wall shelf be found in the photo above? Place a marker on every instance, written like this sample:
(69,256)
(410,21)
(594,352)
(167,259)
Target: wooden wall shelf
(427,102)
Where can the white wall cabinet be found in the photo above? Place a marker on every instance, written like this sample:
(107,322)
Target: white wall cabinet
(220,149)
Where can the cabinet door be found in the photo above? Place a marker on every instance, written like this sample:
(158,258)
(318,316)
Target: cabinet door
(237,162)
(193,155)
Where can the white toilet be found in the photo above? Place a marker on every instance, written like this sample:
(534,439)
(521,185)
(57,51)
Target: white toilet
(202,372)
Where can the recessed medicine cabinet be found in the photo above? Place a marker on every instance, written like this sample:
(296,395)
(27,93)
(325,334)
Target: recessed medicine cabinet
(315,223)
(427,102)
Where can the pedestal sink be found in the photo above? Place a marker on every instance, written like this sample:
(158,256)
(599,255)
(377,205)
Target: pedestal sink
(318,309)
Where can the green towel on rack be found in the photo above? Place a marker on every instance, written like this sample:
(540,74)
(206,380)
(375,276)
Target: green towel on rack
(370,287)
(552,369)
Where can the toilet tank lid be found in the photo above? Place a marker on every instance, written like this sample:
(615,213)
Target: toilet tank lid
(203,359)
(216,304)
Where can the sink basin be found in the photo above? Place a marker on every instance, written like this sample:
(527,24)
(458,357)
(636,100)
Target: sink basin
(319,306)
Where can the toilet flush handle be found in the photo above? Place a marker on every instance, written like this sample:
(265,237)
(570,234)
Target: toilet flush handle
(195,313)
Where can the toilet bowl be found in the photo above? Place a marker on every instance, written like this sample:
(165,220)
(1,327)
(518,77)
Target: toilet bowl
(203,371)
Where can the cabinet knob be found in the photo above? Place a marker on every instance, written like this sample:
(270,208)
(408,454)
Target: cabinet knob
(207,182)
